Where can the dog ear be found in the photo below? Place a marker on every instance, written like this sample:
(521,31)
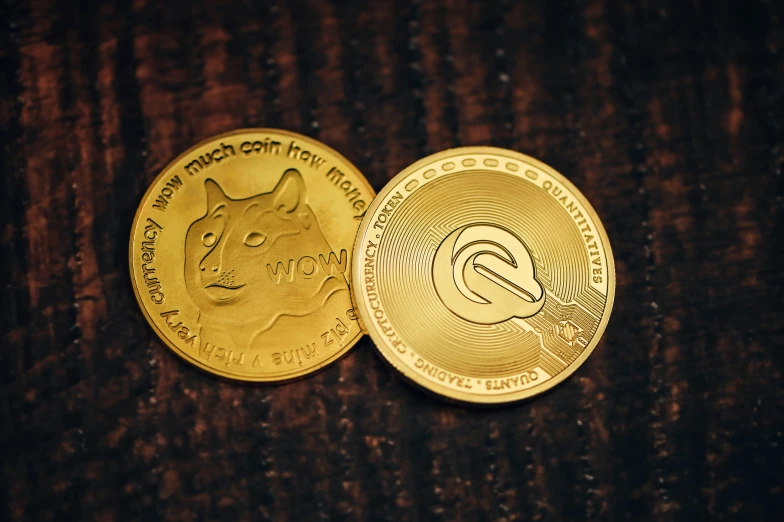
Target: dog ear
(289,195)
(215,194)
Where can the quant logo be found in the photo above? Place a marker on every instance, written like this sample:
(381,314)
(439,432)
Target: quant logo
(485,274)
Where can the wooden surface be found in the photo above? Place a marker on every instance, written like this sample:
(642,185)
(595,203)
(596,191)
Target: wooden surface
(669,116)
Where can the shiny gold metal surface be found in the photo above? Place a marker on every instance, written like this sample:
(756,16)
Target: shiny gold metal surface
(240,253)
(483,275)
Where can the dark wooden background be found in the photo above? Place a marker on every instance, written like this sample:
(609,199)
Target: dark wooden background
(668,115)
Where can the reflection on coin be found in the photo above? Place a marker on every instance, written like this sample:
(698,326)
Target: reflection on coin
(483,275)
(240,254)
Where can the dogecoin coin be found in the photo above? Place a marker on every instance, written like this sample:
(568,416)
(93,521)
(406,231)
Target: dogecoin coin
(483,275)
(240,254)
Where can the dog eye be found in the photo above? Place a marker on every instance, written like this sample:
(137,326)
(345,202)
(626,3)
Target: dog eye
(208,239)
(254,239)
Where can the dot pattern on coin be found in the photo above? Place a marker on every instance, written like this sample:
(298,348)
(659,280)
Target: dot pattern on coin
(483,275)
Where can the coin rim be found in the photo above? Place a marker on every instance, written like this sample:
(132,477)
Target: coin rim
(389,354)
(173,347)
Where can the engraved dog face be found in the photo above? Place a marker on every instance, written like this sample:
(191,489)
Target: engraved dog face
(228,250)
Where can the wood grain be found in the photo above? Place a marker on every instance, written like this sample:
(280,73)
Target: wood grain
(668,115)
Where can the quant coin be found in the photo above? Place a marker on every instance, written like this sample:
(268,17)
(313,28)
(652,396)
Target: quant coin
(483,275)
(240,254)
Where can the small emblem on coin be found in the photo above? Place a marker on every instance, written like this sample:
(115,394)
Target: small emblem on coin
(569,332)
(485,274)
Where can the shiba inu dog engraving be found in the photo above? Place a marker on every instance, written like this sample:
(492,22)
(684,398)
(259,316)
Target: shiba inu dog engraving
(240,254)
(240,266)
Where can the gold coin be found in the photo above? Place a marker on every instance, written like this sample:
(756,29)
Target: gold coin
(483,275)
(240,254)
